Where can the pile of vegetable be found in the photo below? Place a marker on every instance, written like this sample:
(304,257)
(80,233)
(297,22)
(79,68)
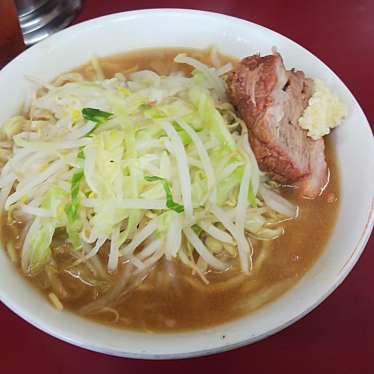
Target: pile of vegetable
(145,166)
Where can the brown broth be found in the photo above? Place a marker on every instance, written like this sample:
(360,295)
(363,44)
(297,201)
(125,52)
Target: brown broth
(160,60)
(171,298)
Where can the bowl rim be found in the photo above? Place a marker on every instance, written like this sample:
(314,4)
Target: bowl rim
(360,246)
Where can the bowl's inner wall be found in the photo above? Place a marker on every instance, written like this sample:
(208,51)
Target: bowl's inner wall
(146,29)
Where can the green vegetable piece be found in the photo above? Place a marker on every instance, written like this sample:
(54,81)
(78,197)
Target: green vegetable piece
(73,234)
(252,196)
(40,251)
(197,229)
(96,115)
(154,113)
(54,200)
(81,154)
(186,139)
(211,117)
(170,203)
(71,210)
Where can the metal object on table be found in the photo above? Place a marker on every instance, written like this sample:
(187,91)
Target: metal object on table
(41,18)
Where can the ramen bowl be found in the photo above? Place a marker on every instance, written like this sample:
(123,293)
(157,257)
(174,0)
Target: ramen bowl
(353,143)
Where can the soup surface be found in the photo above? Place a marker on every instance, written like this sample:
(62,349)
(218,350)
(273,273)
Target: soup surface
(170,297)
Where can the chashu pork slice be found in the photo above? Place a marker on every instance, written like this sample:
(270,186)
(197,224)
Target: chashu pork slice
(271,100)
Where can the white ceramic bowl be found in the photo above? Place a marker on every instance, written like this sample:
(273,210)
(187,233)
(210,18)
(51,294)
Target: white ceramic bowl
(185,28)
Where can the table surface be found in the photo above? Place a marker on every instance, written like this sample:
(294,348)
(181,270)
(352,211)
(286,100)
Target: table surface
(338,336)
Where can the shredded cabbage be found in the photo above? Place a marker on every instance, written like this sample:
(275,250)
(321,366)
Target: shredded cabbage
(153,165)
